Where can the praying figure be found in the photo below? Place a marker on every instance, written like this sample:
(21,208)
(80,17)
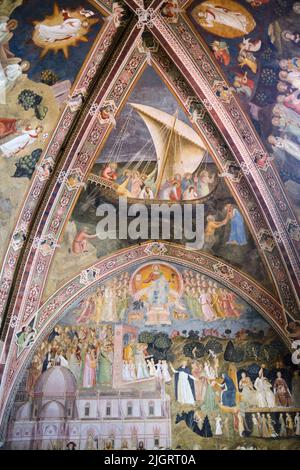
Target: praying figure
(228,393)
(219,430)
(237,229)
(248,391)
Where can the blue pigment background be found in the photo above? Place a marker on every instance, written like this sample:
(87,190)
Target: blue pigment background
(35,10)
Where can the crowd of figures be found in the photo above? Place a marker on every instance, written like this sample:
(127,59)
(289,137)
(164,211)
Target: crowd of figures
(202,299)
(286,112)
(144,369)
(262,64)
(139,364)
(261,425)
(202,383)
(86,352)
(237,402)
(108,304)
(142,185)
(206,300)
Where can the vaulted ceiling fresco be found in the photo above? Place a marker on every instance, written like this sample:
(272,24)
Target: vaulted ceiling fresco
(190,105)
(256,46)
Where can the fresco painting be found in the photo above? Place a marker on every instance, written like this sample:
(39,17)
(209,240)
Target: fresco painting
(42,48)
(112,343)
(153,155)
(160,355)
(261,62)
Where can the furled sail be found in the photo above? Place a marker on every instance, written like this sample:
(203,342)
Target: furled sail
(178,147)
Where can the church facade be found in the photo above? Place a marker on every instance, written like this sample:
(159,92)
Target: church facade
(58,414)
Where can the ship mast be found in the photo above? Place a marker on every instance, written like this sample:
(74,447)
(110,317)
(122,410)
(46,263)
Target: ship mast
(165,157)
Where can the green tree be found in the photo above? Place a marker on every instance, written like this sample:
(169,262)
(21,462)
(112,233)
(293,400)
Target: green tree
(25,166)
(214,346)
(194,349)
(49,77)
(28,99)
(146,337)
(162,342)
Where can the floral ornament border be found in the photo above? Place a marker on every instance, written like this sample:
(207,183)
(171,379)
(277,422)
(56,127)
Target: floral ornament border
(54,308)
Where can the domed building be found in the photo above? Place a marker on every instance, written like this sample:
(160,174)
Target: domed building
(55,384)
(58,413)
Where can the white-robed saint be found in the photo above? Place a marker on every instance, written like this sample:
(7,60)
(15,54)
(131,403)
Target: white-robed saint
(219,430)
(126,371)
(184,384)
(109,309)
(165,372)
(158,372)
(221,15)
(265,396)
(205,301)
(69,28)
(151,367)
(13,72)
(15,145)
(140,362)
(9,75)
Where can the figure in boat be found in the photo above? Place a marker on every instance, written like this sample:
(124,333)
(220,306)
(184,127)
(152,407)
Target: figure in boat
(179,170)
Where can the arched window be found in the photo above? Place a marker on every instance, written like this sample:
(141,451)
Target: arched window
(129,408)
(151,408)
(87,410)
(108,408)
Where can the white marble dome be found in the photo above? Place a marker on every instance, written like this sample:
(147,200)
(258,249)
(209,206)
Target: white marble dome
(56,382)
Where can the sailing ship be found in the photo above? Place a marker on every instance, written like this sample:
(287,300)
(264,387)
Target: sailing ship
(178,172)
